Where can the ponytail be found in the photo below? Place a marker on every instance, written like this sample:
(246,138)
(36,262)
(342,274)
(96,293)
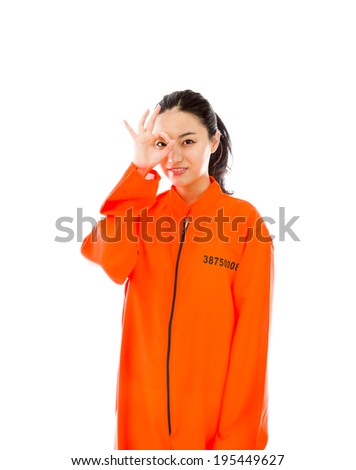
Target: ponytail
(219,160)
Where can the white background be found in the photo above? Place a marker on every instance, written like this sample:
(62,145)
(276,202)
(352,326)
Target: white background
(281,74)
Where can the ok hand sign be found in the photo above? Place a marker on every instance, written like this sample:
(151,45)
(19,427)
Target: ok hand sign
(148,149)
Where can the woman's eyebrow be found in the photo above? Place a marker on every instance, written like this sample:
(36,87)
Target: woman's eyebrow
(185,134)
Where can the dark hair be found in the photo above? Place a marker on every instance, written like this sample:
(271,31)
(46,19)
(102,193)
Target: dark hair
(194,103)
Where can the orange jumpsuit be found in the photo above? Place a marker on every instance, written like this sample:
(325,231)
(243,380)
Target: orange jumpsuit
(195,324)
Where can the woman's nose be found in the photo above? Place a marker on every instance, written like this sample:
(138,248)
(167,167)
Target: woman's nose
(175,155)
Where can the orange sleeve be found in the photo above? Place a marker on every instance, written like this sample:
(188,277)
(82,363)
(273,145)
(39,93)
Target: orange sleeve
(113,243)
(243,418)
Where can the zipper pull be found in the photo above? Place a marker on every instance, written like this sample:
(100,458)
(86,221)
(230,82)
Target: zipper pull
(185,226)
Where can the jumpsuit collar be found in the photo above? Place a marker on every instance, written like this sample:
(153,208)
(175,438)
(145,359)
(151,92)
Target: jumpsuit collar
(204,205)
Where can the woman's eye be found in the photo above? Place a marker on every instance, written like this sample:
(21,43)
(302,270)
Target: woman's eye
(188,141)
(160,144)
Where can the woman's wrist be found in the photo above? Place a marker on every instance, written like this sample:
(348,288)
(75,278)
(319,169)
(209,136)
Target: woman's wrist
(142,171)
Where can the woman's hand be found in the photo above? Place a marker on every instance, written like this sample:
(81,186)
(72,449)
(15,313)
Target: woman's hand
(149,150)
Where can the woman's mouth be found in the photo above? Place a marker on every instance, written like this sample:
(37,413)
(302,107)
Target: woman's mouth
(177,171)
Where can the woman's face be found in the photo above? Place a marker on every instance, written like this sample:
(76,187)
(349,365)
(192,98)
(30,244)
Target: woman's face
(187,164)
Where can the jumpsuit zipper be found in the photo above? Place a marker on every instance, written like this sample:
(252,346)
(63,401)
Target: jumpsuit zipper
(186,222)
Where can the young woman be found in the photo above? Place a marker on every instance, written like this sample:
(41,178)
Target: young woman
(197,265)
